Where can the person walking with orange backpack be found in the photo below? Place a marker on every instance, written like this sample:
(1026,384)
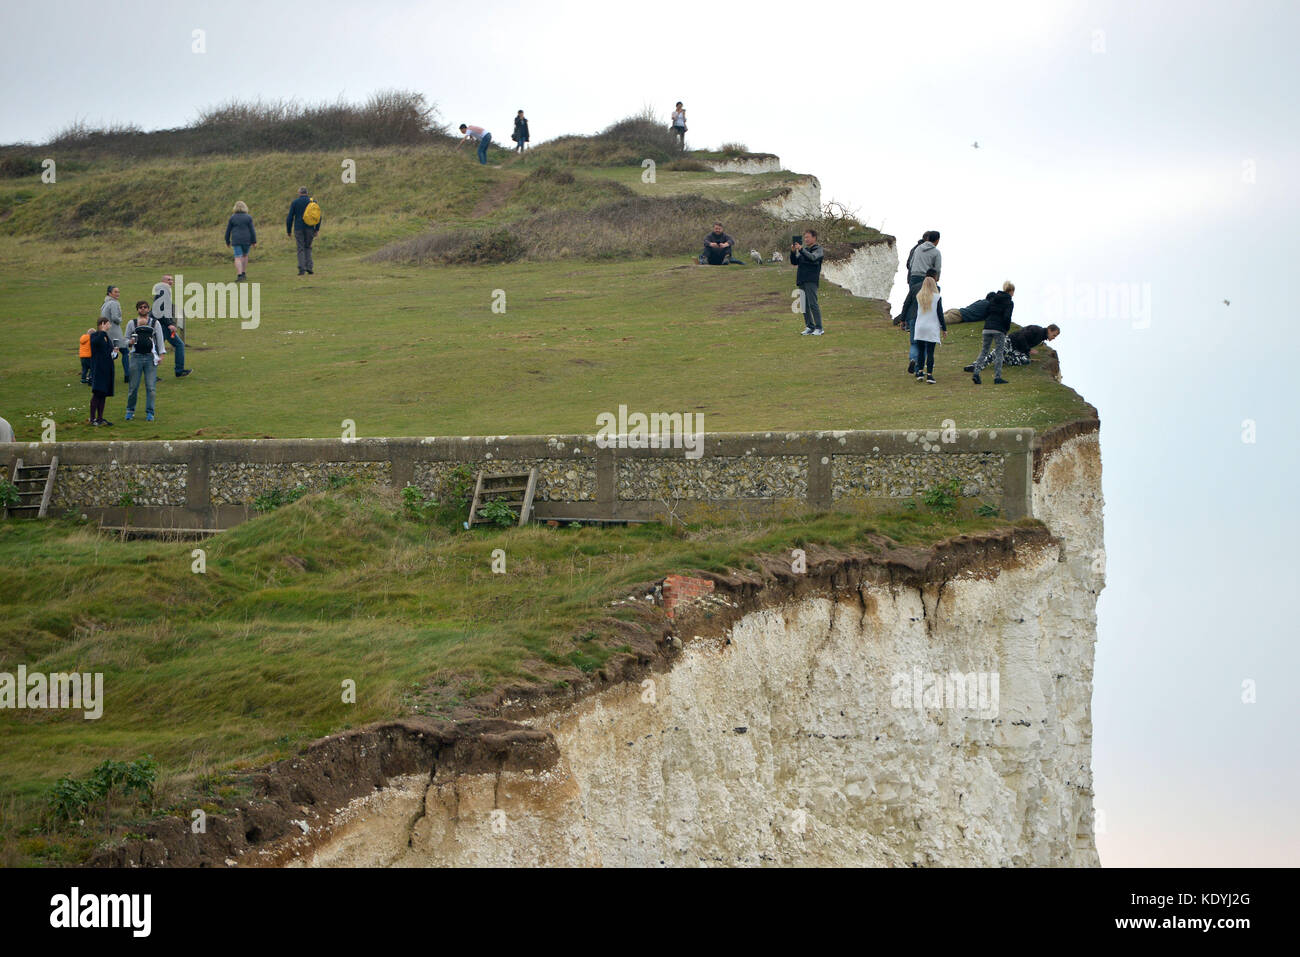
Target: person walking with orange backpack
(303,223)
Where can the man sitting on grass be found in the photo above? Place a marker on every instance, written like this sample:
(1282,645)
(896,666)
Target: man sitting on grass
(717,247)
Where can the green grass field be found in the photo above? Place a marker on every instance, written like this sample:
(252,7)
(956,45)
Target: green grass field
(244,663)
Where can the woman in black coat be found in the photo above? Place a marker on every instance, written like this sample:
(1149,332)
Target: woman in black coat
(102,371)
(520,135)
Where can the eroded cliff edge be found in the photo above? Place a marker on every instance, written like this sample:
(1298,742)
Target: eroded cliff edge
(776,739)
(773,735)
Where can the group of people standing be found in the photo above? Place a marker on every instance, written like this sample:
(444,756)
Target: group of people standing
(141,345)
(926,322)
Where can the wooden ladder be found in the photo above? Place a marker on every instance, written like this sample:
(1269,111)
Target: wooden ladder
(516,489)
(35,484)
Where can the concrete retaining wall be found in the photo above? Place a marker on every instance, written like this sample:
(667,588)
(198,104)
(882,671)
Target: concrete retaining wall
(212,484)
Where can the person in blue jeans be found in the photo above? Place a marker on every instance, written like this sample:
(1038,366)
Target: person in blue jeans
(481,136)
(145,343)
(167,312)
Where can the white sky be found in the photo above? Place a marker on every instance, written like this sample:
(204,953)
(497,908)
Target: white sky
(1113,139)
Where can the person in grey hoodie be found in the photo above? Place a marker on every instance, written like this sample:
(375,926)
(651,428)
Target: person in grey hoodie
(112,311)
(924,258)
(241,237)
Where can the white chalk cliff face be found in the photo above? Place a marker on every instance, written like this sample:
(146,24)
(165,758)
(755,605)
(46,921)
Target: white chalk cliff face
(766,164)
(801,198)
(868,270)
(792,739)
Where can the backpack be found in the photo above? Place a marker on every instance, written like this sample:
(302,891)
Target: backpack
(311,215)
(143,336)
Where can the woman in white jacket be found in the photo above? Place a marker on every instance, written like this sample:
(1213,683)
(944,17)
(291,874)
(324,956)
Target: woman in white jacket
(930,328)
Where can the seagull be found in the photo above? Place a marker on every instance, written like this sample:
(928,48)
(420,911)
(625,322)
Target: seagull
(777,257)
(976,144)
(1226,303)
(756,257)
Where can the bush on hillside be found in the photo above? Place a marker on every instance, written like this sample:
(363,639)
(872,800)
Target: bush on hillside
(388,118)
(625,143)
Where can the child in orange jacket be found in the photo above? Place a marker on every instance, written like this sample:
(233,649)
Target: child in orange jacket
(84,352)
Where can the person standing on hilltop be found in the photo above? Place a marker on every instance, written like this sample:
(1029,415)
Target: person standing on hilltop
(520,135)
(241,237)
(102,372)
(112,311)
(996,327)
(922,260)
(679,125)
(808,257)
(910,254)
(167,310)
(481,136)
(145,342)
(929,327)
(297,227)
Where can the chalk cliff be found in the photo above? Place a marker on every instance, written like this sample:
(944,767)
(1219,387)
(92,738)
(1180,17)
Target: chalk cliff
(790,730)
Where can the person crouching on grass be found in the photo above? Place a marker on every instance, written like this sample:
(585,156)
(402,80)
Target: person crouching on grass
(929,328)
(103,370)
(479,135)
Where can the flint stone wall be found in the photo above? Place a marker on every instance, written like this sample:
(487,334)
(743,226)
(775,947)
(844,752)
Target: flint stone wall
(213,484)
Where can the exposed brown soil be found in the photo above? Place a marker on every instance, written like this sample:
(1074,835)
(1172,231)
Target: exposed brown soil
(1048,442)
(267,827)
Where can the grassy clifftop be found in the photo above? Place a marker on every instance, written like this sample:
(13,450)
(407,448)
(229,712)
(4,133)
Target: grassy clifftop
(396,331)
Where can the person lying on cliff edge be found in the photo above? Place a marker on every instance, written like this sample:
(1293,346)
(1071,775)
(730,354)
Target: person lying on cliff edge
(1022,342)
(807,255)
(717,247)
(978,310)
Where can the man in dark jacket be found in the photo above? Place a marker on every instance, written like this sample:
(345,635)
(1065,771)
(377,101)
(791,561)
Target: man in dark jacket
(1022,340)
(300,231)
(996,326)
(718,247)
(808,257)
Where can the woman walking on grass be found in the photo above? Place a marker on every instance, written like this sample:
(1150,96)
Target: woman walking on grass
(930,328)
(240,237)
(102,370)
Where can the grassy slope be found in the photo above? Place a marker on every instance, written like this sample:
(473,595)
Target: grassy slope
(248,659)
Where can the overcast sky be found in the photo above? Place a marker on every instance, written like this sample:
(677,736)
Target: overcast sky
(1149,147)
